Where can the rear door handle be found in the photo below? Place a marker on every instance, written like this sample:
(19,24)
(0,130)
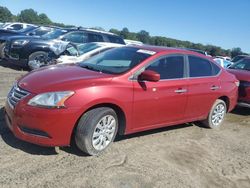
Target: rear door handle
(214,87)
(180,91)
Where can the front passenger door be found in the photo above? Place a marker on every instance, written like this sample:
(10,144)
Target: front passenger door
(163,102)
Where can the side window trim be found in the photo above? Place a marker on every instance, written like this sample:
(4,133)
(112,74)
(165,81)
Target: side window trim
(188,68)
(134,77)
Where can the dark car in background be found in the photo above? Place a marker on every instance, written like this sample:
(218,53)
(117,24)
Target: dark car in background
(241,70)
(239,57)
(29,31)
(22,50)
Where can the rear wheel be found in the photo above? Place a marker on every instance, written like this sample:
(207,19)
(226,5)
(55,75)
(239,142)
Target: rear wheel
(37,60)
(96,130)
(216,114)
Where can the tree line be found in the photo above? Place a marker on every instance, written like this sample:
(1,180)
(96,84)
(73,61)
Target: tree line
(31,16)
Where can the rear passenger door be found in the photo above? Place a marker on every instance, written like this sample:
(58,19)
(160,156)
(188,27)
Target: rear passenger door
(203,86)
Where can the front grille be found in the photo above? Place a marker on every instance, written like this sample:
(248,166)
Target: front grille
(15,95)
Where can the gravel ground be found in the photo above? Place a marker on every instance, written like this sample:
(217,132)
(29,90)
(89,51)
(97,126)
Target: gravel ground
(181,156)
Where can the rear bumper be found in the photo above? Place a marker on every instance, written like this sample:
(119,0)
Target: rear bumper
(45,127)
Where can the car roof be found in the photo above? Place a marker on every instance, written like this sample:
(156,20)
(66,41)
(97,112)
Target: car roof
(159,49)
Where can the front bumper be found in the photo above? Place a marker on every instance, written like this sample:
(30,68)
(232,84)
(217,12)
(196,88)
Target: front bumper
(45,127)
(13,56)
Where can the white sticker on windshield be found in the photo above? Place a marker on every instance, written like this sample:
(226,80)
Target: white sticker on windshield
(146,51)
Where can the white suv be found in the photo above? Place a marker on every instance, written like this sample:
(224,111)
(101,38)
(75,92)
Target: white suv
(15,26)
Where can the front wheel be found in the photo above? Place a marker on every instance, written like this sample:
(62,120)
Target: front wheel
(216,114)
(96,130)
(37,60)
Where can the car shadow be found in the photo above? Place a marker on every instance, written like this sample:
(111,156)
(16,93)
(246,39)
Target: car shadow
(153,131)
(6,64)
(243,111)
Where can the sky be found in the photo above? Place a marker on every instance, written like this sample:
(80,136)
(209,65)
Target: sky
(224,23)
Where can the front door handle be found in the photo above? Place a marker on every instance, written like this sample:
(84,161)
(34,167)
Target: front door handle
(214,88)
(180,91)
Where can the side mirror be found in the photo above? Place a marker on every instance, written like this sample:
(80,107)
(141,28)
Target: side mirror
(149,75)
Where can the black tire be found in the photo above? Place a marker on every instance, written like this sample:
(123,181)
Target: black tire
(209,122)
(87,125)
(37,56)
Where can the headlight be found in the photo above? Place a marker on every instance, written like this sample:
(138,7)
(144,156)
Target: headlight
(51,99)
(20,42)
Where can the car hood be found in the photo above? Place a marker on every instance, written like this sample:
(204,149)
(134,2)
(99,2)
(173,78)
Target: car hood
(4,34)
(8,31)
(241,75)
(61,78)
(24,37)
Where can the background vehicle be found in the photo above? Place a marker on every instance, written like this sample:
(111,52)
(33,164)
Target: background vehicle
(21,50)
(241,70)
(223,62)
(224,57)
(29,31)
(16,26)
(85,51)
(122,90)
(239,57)
(132,42)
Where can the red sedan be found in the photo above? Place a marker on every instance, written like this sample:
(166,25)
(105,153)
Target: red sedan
(123,90)
(241,70)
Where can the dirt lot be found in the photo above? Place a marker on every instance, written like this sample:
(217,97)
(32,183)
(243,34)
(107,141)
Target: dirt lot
(182,156)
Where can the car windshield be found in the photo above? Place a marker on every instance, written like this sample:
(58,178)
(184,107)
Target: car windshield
(237,58)
(241,65)
(84,48)
(116,61)
(54,34)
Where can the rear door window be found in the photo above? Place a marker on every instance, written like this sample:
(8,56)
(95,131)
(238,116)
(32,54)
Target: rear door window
(199,67)
(95,37)
(76,37)
(115,39)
